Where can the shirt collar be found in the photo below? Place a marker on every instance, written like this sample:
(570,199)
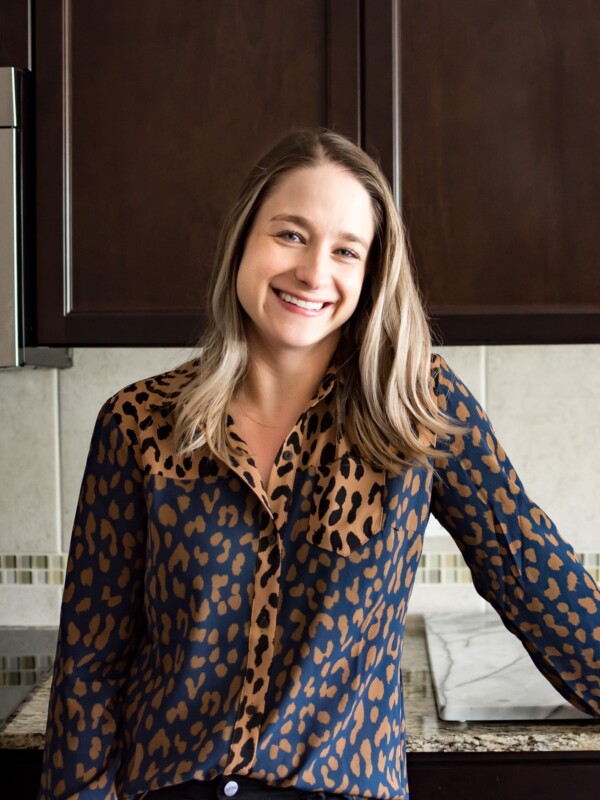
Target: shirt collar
(326,386)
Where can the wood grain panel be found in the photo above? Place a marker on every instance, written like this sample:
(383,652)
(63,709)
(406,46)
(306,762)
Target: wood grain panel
(501,153)
(150,113)
(15,22)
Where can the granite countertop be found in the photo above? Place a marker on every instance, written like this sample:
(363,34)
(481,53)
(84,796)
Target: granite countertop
(426,732)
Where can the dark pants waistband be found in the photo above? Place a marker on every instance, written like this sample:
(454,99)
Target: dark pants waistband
(233,787)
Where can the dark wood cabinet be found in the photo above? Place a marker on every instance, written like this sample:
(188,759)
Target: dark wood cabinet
(15,33)
(497,776)
(487,115)
(484,115)
(149,114)
(432,776)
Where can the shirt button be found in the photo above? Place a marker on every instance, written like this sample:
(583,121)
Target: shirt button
(250,710)
(263,619)
(231,788)
(272,539)
(287,455)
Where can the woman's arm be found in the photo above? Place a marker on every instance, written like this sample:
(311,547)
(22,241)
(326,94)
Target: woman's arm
(100,620)
(518,561)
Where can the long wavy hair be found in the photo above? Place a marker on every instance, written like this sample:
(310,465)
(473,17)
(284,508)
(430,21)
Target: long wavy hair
(384,398)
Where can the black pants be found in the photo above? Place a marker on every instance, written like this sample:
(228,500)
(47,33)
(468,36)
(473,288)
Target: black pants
(232,787)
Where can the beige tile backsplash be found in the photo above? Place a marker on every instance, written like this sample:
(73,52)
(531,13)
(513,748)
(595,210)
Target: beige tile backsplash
(29,462)
(544,402)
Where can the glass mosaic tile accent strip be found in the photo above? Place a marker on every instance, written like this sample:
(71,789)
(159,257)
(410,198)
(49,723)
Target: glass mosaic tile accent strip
(435,568)
(591,561)
(443,568)
(24,569)
(450,568)
(23,670)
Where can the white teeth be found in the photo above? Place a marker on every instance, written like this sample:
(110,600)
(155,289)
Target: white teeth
(300,303)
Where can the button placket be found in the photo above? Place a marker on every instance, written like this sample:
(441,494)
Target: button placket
(267,588)
(261,641)
(281,483)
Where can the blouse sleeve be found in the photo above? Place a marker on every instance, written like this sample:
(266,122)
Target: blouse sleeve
(518,561)
(100,621)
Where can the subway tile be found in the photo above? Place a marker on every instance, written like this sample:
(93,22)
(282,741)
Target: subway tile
(27,605)
(29,477)
(427,599)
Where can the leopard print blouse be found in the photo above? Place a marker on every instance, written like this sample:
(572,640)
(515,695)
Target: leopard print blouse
(212,625)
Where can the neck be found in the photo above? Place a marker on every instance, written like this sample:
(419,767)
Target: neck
(280,383)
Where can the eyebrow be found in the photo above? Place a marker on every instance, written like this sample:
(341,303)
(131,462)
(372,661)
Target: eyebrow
(303,222)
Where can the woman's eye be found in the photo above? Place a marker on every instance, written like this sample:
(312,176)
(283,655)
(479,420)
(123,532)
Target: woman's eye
(290,236)
(346,253)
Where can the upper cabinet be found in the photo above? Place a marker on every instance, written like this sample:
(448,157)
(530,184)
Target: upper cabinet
(485,115)
(489,121)
(149,115)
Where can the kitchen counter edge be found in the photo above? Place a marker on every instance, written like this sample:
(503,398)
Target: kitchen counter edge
(426,733)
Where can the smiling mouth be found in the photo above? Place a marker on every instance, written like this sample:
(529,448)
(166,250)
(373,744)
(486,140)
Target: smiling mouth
(295,301)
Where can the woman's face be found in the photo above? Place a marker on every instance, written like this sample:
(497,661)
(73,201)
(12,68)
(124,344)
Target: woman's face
(304,262)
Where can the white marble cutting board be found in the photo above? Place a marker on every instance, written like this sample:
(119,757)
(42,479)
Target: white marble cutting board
(481,671)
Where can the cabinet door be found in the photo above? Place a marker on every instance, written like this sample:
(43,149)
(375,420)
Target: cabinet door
(14,34)
(487,116)
(149,114)
(498,776)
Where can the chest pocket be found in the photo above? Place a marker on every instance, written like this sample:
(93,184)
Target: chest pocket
(347,505)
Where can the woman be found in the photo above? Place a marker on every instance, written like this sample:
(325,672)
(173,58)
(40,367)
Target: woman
(250,524)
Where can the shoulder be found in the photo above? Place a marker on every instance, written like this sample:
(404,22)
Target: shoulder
(157,393)
(454,398)
(441,376)
(450,392)
(147,404)
(139,418)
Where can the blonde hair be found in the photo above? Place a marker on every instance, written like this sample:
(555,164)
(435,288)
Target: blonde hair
(384,399)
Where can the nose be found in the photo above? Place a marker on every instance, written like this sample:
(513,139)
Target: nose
(313,269)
